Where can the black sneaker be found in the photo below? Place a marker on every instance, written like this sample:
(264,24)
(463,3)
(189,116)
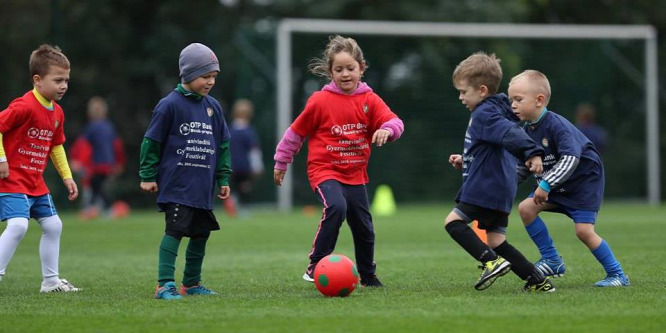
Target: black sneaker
(544,286)
(371,281)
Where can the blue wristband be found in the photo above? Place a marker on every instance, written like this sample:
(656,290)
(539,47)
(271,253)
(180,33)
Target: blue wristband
(544,186)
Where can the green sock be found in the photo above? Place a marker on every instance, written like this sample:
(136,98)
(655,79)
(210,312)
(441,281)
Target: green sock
(167,259)
(196,249)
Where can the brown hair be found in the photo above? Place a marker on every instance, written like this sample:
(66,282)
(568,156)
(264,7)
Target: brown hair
(480,69)
(44,57)
(336,44)
(243,108)
(538,82)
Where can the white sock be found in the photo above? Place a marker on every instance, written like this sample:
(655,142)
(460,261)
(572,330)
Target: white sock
(9,240)
(49,248)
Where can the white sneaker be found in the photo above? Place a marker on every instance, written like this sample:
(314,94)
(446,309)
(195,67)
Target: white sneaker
(63,286)
(308,278)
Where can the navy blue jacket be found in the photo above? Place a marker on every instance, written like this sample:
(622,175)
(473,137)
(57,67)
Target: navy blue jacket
(493,141)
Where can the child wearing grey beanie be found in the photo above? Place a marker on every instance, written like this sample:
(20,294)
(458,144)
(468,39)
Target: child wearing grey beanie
(185,159)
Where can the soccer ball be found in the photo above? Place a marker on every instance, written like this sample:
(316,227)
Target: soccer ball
(336,276)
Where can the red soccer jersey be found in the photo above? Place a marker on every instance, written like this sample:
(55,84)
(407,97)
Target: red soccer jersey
(29,131)
(340,129)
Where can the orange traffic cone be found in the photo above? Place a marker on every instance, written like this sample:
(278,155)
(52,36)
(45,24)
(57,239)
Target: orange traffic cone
(479,232)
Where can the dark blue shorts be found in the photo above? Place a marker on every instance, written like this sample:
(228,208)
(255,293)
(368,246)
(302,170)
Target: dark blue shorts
(577,215)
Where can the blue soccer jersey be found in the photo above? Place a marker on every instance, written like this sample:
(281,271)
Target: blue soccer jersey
(190,132)
(571,166)
(493,140)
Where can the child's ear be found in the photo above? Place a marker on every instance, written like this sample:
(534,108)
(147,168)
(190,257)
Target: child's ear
(540,100)
(484,90)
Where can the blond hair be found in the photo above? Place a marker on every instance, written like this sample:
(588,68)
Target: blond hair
(479,69)
(44,57)
(322,66)
(538,82)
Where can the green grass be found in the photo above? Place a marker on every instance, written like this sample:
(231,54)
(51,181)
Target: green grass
(256,264)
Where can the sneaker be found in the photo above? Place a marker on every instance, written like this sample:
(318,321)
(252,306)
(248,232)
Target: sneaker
(309,273)
(371,281)
(168,292)
(198,289)
(62,286)
(309,277)
(491,271)
(616,280)
(551,267)
(545,286)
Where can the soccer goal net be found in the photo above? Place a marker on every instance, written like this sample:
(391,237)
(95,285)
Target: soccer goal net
(613,68)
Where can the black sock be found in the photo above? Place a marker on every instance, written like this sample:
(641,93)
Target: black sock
(519,264)
(465,237)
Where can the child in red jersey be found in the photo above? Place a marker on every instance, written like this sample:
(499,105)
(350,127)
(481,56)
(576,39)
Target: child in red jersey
(341,121)
(31,130)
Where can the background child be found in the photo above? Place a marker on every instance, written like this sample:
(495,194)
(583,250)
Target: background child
(341,121)
(572,182)
(246,157)
(185,159)
(489,174)
(31,129)
(98,155)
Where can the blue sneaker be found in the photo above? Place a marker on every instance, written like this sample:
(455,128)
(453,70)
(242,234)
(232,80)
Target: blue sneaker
(198,289)
(168,292)
(616,280)
(551,267)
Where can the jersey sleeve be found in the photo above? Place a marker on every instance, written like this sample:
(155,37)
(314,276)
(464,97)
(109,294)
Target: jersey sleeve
(305,123)
(565,140)
(380,111)
(492,125)
(160,124)
(13,116)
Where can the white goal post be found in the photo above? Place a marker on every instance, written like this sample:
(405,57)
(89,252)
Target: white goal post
(287,27)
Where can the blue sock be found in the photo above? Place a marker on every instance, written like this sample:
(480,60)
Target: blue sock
(605,256)
(539,234)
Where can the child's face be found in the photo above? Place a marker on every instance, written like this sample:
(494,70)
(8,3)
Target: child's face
(525,101)
(203,84)
(53,85)
(470,96)
(346,72)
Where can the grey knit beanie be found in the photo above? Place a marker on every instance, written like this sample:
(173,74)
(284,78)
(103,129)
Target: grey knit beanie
(196,60)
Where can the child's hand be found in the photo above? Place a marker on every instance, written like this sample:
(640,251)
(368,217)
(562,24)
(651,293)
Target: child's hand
(225,191)
(4,170)
(540,196)
(72,189)
(149,186)
(535,164)
(380,137)
(456,161)
(278,176)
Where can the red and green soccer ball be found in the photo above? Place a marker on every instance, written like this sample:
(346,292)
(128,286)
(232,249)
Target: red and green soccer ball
(336,276)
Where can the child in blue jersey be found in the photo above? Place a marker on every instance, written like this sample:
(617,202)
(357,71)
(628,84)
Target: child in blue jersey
(488,164)
(246,156)
(572,182)
(185,160)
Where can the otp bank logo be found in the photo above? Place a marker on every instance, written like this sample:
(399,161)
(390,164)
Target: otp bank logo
(336,130)
(33,132)
(185,129)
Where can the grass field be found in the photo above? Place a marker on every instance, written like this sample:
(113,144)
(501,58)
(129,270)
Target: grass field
(256,264)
